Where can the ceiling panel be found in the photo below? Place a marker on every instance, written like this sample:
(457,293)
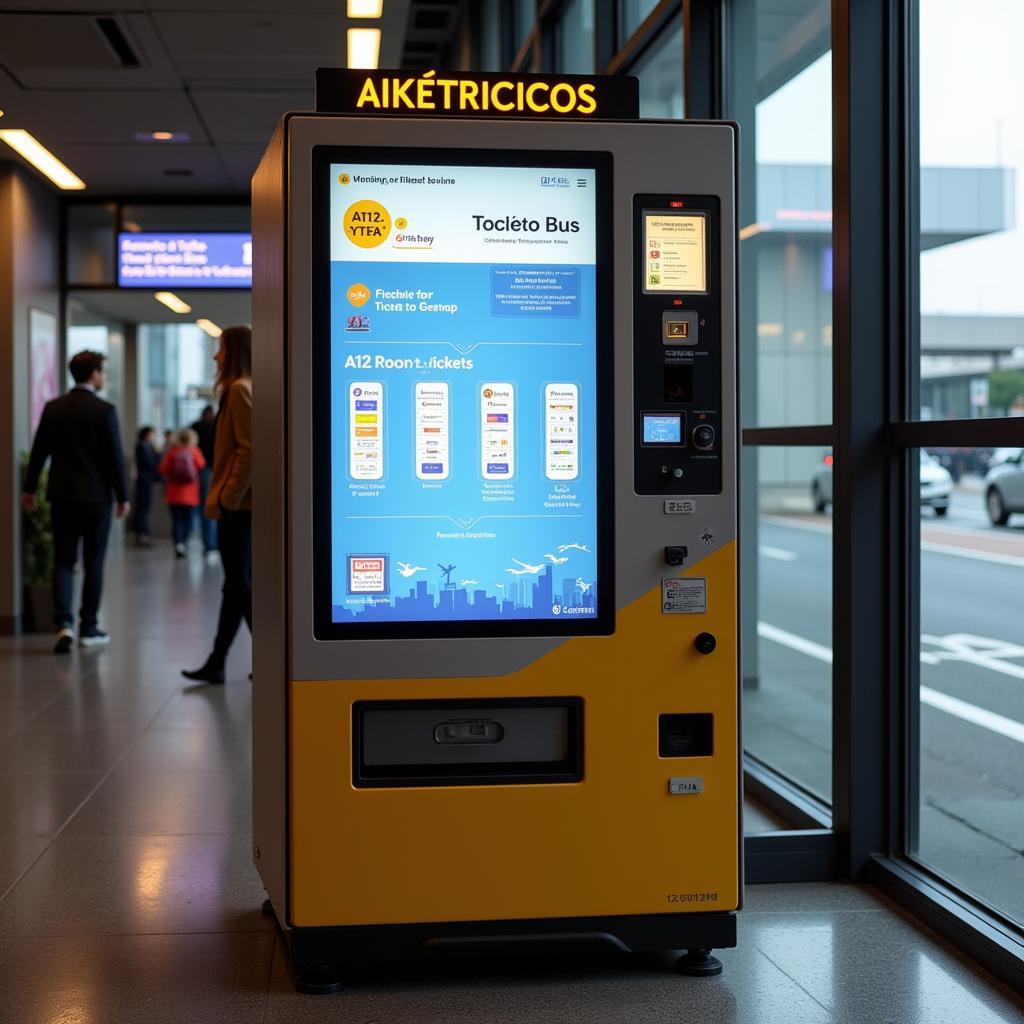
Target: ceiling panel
(102,117)
(154,72)
(221,71)
(130,170)
(247,116)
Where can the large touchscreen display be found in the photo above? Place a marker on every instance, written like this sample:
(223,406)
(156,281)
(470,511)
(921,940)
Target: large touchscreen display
(464,402)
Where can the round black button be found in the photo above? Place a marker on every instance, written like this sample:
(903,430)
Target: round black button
(705,642)
(704,436)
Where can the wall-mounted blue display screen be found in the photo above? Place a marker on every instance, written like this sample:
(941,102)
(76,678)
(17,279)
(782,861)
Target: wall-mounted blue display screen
(661,429)
(464,401)
(220,259)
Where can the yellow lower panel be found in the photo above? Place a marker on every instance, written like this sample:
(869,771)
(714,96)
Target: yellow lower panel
(615,843)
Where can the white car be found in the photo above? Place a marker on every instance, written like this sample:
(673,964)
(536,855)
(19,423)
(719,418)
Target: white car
(1004,489)
(936,485)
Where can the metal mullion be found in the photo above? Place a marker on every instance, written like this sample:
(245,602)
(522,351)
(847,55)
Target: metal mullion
(981,433)
(967,924)
(905,826)
(703,63)
(790,437)
(641,40)
(605,32)
(862,475)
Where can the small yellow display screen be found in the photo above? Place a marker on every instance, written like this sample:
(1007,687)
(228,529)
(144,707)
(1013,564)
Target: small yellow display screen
(675,253)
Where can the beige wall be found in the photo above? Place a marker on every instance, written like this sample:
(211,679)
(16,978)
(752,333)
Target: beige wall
(29,276)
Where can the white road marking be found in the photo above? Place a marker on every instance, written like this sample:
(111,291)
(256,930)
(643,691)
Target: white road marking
(972,713)
(796,643)
(975,650)
(1000,724)
(778,553)
(809,526)
(978,556)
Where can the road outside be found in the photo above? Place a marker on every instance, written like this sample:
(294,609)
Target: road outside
(972,683)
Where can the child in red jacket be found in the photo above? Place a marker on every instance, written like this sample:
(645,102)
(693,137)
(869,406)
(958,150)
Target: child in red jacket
(180,469)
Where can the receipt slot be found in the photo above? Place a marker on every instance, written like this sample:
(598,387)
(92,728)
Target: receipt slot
(495,638)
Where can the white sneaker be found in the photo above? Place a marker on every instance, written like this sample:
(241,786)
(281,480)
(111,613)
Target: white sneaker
(65,638)
(179,550)
(96,638)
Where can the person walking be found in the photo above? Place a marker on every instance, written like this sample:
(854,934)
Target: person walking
(147,472)
(79,433)
(180,468)
(205,428)
(230,497)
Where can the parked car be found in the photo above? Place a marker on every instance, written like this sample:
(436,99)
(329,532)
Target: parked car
(1001,455)
(1004,489)
(936,485)
(960,461)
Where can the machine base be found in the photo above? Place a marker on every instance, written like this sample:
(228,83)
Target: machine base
(319,956)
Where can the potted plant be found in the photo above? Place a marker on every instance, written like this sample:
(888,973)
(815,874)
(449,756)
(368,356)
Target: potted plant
(37,559)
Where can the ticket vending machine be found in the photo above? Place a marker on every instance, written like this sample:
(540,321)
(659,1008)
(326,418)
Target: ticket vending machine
(496,682)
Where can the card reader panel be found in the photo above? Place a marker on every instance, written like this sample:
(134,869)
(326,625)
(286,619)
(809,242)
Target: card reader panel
(677,358)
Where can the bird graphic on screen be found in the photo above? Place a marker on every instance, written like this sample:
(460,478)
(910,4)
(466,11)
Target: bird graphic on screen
(573,547)
(584,587)
(555,560)
(526,568)
(469,583)
(408,570)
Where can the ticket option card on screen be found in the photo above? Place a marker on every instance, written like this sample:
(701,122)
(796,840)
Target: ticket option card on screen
(464,382)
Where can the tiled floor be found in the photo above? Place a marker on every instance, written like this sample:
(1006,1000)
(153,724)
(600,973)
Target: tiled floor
(127,895)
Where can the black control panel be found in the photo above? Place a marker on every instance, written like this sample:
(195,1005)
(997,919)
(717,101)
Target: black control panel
(677,356)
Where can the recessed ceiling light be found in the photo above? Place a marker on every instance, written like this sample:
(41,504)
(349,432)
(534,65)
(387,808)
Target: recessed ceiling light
(209,326)
(363,48)
(162,136)
(41,158)
(365,8)
(172,302)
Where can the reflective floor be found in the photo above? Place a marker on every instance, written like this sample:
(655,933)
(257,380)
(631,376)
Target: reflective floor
(127,892)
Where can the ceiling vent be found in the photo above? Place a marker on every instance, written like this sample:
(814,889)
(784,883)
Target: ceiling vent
(63,42)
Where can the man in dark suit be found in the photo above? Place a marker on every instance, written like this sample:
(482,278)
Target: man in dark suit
(78,432)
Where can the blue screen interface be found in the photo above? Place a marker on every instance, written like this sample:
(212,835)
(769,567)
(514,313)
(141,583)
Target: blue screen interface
(662,429)
(463,393)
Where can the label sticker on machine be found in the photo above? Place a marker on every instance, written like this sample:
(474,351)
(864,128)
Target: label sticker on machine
(684,595)
(680,506)
(691,786)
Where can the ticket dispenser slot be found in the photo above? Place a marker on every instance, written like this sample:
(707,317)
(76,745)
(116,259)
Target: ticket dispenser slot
(447,742)
(677,356)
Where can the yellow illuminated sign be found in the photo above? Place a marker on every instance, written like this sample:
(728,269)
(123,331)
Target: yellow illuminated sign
(429,92)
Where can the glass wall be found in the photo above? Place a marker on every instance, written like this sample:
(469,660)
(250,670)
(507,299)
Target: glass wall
(632,14)
(972,246)
(574,38)
(88,329)
(175,365)
(779,88)
(660,71)
(971,799)
(968,812)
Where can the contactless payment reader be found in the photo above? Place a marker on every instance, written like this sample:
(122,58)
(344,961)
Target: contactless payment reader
(495,642)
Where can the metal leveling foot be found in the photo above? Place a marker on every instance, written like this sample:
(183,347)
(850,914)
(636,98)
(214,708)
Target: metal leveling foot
(699,963)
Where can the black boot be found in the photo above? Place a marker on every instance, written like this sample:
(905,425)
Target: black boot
(210,672)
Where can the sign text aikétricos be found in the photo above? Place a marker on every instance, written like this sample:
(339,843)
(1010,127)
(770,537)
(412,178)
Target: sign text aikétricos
(462,94)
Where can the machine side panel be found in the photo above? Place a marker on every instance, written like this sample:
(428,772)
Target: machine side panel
(269,689)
